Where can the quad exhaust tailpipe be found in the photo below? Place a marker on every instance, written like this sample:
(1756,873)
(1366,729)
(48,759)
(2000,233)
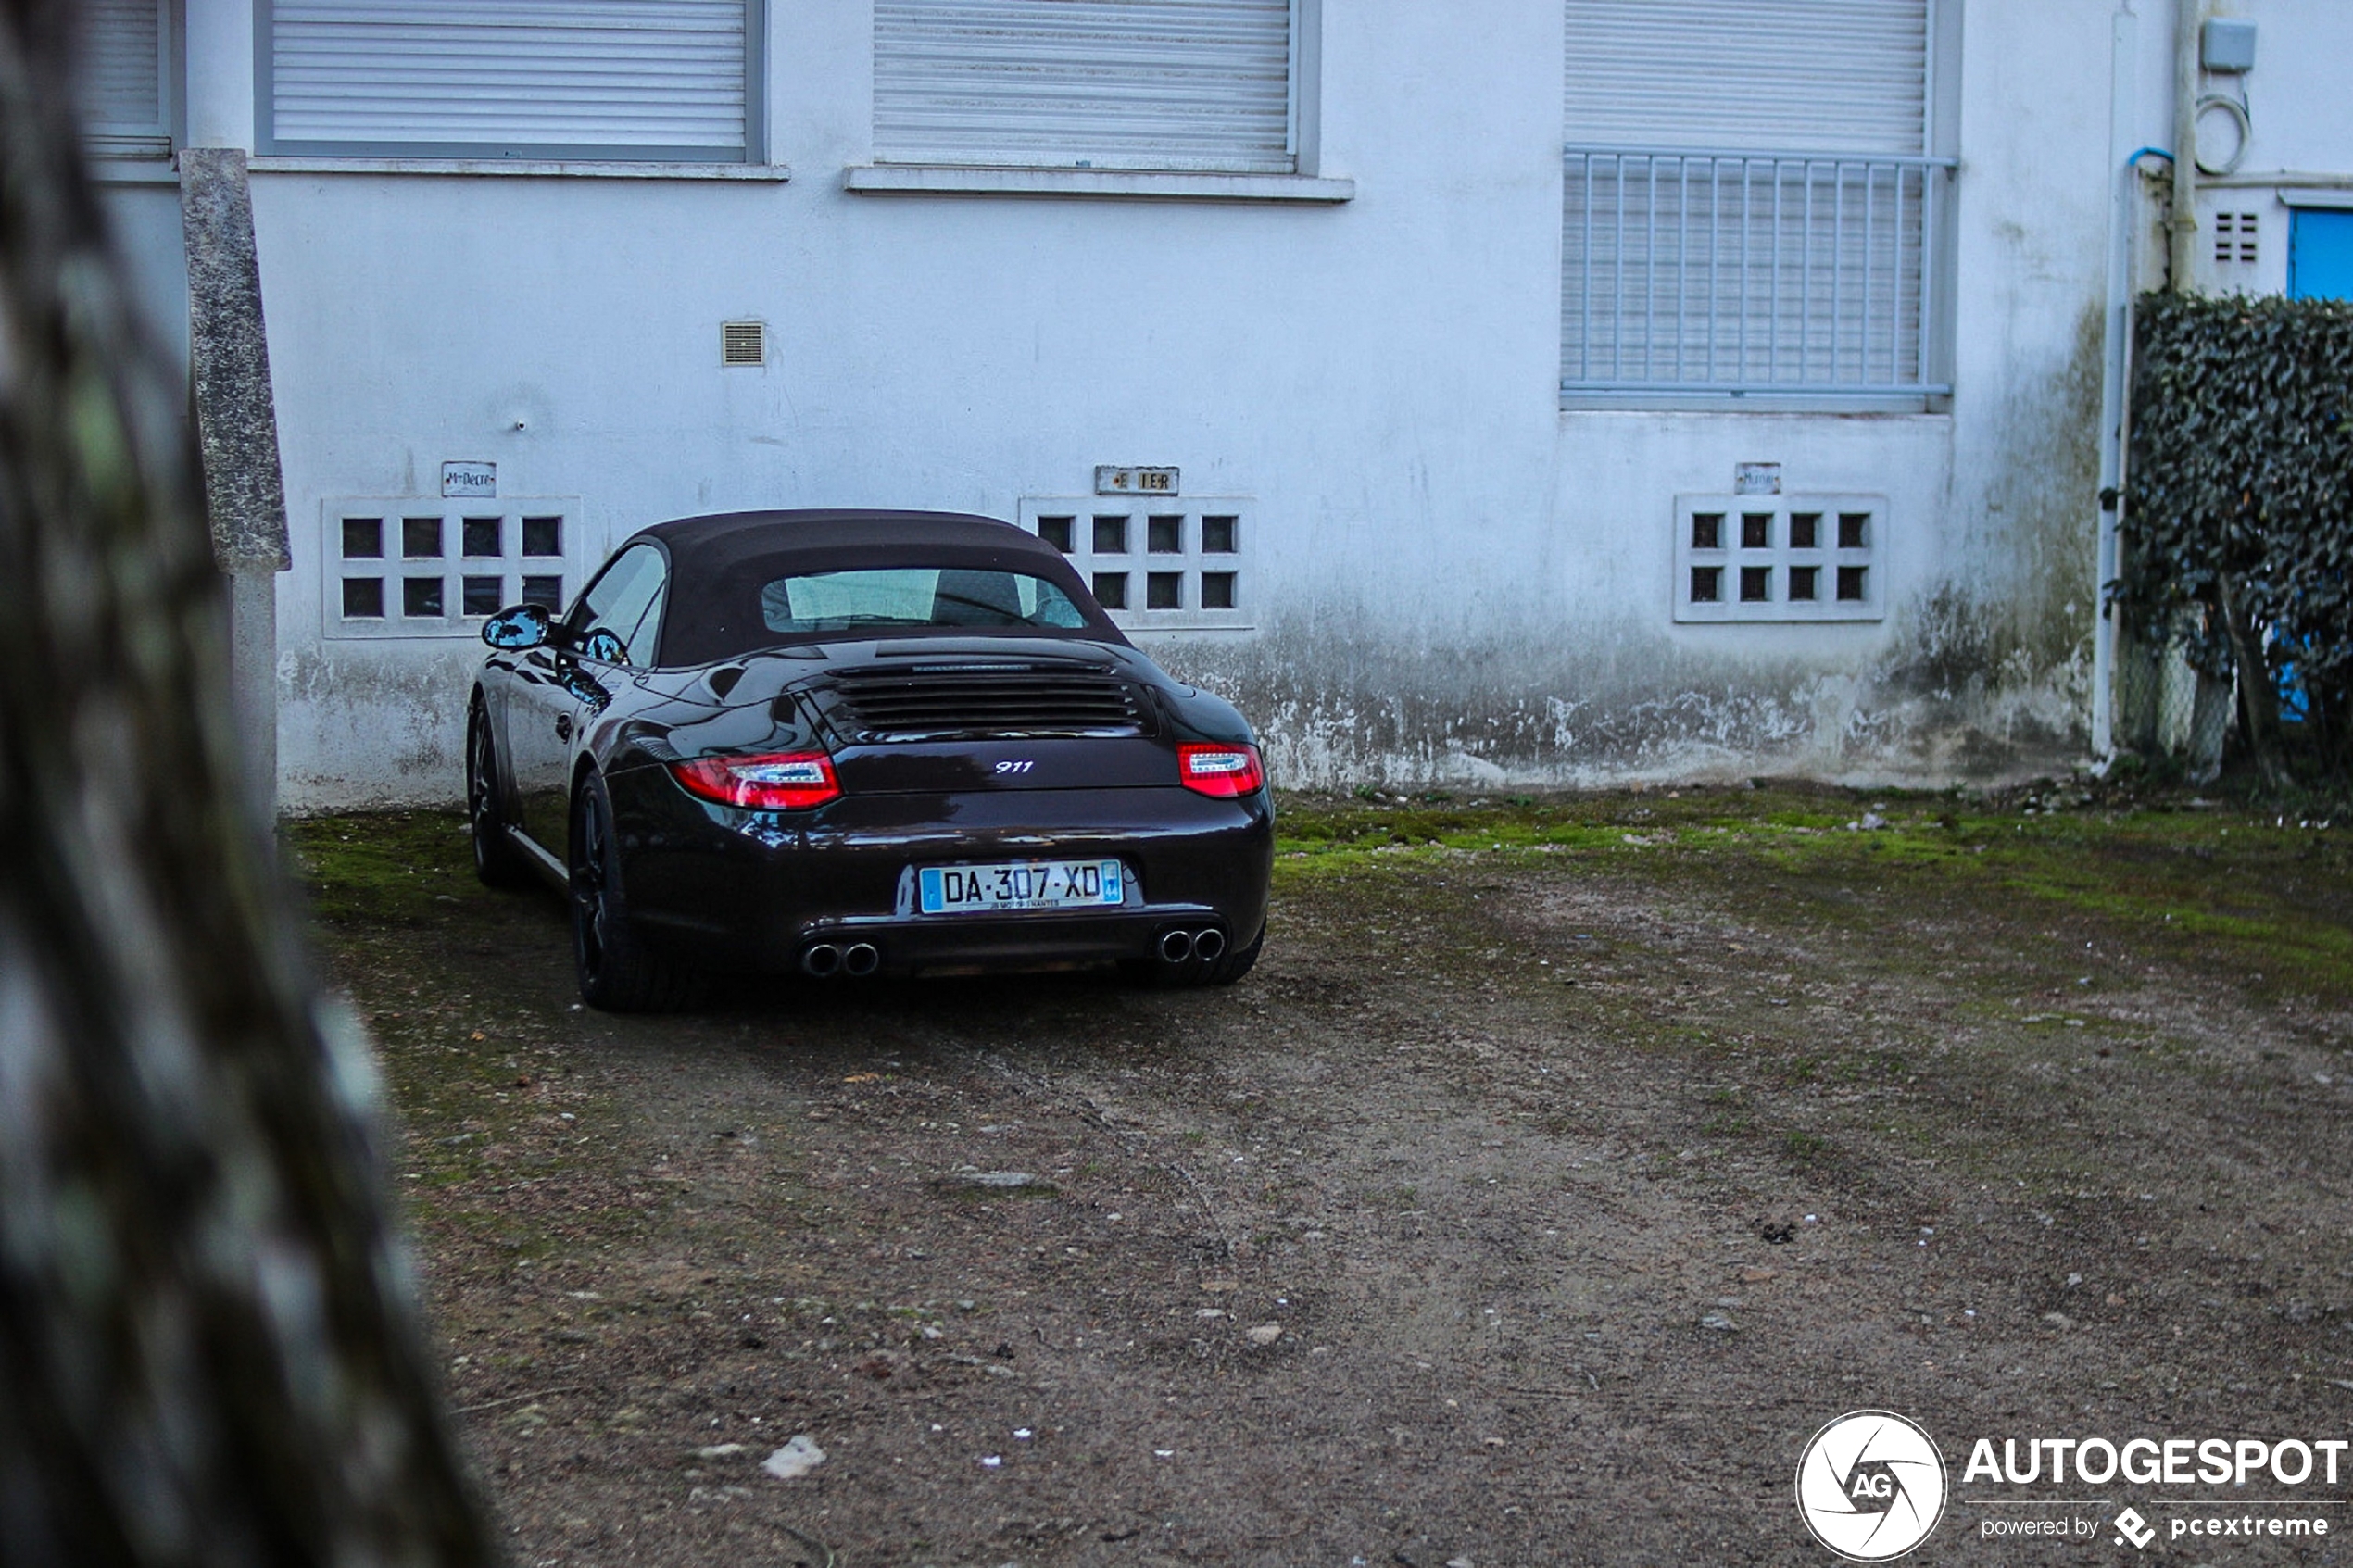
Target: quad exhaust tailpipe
(1182,946)
(823,960)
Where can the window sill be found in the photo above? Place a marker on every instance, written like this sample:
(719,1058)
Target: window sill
(156,169)
(1897,404)
(1118,184)
(568,169)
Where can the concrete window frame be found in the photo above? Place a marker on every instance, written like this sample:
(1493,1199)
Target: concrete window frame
(1195,550)
(455,529)
(1811,556)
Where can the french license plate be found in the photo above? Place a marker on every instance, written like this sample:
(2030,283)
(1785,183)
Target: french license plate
(1021,885)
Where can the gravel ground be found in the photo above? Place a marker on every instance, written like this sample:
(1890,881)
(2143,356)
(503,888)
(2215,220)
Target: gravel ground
(1563,1165)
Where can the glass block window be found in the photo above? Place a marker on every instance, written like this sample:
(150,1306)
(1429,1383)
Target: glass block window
(1156,563)
(1779,558)
(405,566)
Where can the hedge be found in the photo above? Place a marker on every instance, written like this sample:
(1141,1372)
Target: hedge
(2238,529)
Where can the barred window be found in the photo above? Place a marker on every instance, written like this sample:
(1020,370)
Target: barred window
(1751,206)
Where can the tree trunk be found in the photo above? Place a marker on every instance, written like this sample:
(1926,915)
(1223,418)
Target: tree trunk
(210,1353)
(2258,699)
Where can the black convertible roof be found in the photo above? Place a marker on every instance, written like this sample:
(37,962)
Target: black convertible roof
(719,563)
(715,543)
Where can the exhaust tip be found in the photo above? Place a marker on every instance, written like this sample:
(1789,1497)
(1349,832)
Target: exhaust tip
(1209,946)
(821,960)
(861,958)
(1176,946)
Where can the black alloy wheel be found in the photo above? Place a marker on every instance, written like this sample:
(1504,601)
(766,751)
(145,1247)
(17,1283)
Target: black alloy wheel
(496,862)
(617,973)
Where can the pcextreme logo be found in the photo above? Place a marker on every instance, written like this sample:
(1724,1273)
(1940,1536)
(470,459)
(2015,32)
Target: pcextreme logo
(1871,1485)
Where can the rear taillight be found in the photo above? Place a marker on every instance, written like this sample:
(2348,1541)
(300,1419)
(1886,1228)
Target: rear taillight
(1219,769)
(782,781)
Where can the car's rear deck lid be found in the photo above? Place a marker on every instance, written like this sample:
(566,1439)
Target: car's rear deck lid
(951,698)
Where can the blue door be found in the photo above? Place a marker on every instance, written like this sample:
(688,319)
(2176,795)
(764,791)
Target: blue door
(2320,253)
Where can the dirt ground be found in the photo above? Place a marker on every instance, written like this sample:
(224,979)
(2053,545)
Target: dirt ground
(1565,1164)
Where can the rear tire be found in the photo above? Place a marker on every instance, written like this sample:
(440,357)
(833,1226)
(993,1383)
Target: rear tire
(618,973)
(1224,970)
(496,862)
(1234,962)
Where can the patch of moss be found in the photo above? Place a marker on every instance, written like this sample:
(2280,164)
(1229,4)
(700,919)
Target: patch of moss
(387,868)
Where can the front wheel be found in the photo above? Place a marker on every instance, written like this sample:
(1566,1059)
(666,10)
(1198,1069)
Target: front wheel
(618,973)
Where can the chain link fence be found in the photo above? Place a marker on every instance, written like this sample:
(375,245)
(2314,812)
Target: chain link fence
(2166,713)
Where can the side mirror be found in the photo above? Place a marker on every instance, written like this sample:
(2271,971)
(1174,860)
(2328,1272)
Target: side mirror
(524,626)
(604,644)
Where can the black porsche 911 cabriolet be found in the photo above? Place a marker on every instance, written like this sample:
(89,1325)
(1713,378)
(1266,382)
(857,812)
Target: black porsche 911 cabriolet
(847,742)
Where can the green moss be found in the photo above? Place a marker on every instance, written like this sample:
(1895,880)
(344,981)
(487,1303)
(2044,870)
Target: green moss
(379,870)
(2268,896)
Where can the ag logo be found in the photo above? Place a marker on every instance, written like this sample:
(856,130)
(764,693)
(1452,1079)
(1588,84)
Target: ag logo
(1871,1485)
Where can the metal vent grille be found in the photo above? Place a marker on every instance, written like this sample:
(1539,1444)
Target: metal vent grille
(2236,234)
(743,342)
(983,699)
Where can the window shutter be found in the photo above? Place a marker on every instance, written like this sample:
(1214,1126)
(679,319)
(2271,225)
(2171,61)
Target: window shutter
(1809,76)
(125,100)
(651,79)
(1193,84)
(1749,198)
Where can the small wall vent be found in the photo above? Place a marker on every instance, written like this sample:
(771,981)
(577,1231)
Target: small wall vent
(2234,237)
(743,342)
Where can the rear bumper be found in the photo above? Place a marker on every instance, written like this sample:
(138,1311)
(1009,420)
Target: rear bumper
(725,889)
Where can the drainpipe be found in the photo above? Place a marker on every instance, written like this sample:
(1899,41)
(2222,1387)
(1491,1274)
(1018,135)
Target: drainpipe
(2184,229)
(2115,371)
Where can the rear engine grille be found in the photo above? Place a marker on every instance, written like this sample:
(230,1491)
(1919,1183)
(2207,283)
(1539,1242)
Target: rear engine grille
(923,700)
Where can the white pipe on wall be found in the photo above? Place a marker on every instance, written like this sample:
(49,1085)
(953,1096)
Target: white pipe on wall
(2184,249)
(2116,347)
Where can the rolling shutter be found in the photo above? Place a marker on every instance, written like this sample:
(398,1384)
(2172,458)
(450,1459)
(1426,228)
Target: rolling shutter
(584,78)
(1844,76)
(125,106)
(1193,84)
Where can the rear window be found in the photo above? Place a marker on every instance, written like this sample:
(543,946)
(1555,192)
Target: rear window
(899,596)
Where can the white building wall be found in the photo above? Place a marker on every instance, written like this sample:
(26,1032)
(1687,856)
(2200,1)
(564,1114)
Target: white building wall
(1455,579)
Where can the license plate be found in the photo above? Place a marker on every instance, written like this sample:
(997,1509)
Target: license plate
(1021,885)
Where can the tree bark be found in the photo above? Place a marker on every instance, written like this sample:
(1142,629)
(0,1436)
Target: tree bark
(209,1351)
(2259,698)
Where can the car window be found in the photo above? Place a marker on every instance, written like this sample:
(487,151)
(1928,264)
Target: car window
(840,601)
(618,617)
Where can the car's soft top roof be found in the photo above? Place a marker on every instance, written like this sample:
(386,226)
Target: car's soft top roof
(712,544)
(718,564)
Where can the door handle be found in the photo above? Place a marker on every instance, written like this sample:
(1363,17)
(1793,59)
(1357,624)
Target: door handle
(563,726)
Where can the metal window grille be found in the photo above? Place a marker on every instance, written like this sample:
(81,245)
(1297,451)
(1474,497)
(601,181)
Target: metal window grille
(1785,273)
